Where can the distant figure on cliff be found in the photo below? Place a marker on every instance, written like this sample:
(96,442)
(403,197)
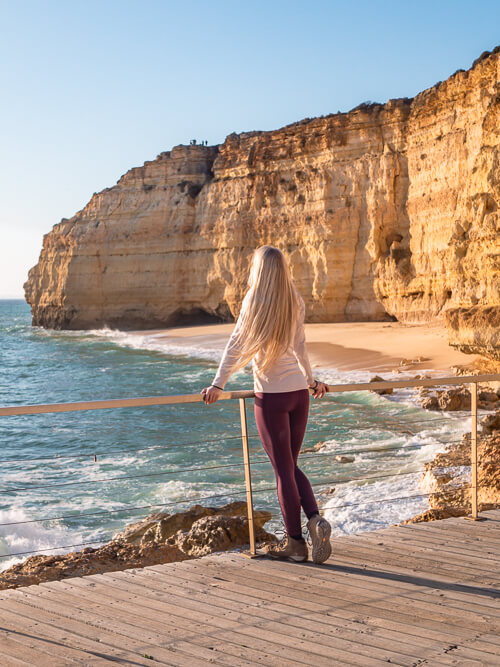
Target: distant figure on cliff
(270,333)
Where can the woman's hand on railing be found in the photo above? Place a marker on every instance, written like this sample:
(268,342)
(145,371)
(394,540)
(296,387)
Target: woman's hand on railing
(211,394)
(319,389)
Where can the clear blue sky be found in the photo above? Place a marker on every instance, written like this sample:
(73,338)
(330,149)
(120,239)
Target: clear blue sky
(92,88)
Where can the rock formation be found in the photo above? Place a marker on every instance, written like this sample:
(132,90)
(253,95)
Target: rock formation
(388,211)
(456,398)
(158,538)
(447,478)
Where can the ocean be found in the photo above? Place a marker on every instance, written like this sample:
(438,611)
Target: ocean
(74,479)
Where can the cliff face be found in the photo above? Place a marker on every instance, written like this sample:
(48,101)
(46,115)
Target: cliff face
(386,211)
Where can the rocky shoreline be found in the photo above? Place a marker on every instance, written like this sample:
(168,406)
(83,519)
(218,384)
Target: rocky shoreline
(447,478)
(158,538)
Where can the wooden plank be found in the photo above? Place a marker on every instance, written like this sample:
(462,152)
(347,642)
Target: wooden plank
(377,579)
(353,613)
(252,604)
(428,560)
(317,624)
(14,653)
(207,653)
(454,534)
(391,610)
(223,624)
(464,548)
(61,605)
(480,530)
(52,643)
(427,610)
(10,661)
(340,647)
(149,610)
(371,557)
(380,581)
(80,635)
(420,593)
(94,603)
(233,649)
(438,595)
(432,552)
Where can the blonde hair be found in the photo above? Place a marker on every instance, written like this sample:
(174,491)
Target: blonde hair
(271,310)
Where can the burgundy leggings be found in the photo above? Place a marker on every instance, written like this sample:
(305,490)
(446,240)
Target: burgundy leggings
(281,421)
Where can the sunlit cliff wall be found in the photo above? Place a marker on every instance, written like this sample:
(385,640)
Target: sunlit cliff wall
(388,211)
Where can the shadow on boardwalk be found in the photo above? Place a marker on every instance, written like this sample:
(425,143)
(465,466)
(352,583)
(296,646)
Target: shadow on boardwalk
(408,595)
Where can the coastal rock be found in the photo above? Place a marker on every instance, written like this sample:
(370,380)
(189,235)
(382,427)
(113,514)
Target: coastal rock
(219,533)
(159,538)
(111,557)
(476,330)
(380,392)
(159,527)
(315,448)
(447,479)
(341,458)
(446,399)
(387,211)
(455,399)
(491,422)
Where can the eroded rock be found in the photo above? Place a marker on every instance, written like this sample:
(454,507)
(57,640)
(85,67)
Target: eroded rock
(447,479)
(455,398)
(341,458)
(158,538)
(381,392)
(315,448)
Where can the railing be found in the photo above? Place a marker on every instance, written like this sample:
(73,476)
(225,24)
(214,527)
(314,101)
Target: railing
(241,396)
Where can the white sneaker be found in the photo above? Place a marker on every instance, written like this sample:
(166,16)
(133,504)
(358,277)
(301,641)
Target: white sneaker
(320,531)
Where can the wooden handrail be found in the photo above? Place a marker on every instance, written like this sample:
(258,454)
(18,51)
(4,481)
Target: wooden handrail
(7,411)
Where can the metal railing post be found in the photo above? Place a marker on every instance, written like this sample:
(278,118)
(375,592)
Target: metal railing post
(248,475)
(473,453)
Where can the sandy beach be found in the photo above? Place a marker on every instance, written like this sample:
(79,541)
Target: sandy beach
(373,346)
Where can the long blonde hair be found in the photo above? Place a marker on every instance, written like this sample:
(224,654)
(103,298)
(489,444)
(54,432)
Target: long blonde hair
(272,308)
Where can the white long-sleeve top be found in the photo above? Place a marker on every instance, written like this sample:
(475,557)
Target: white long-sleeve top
(290,372)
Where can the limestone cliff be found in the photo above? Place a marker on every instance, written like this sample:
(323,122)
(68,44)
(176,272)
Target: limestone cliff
(388,211)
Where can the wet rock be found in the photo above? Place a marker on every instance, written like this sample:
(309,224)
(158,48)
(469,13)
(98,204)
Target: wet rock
(446,399)
(380,392)
(447,479)
(488,396)
(456,398)
(491,422)
(341,458)
(430,403)
(413,362)
(315,448)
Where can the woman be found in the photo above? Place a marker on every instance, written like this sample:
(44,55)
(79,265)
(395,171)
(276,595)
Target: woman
(270,333)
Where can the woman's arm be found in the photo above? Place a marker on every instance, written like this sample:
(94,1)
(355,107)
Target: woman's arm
(299,346)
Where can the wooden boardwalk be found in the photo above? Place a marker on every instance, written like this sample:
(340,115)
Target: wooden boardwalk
(425,594)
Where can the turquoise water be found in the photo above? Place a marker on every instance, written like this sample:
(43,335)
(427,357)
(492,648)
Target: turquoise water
(142,453)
